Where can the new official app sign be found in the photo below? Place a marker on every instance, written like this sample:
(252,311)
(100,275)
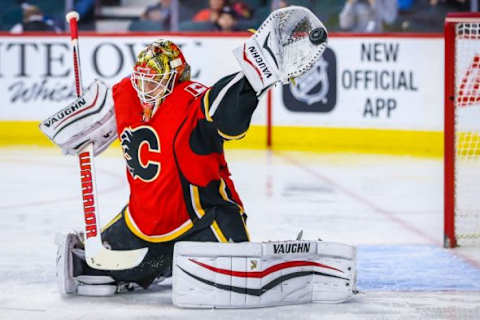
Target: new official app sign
(386,80)
(381,82)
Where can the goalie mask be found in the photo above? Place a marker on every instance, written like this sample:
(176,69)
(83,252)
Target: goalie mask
(159,67)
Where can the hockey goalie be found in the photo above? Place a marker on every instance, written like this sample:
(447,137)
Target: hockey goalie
(183,210)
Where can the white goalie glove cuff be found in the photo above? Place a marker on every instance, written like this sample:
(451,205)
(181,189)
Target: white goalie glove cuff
(90,118)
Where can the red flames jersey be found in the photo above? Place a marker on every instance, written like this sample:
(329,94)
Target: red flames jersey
(175,163)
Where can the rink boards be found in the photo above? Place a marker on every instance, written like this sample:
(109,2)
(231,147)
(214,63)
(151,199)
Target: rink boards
(376,93)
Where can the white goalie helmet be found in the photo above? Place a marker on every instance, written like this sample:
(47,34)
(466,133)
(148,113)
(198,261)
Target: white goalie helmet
(159,67)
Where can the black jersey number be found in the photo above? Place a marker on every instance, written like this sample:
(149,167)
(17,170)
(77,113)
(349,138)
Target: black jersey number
(142,161)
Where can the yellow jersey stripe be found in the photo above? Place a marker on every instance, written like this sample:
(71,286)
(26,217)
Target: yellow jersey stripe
(218,233)
(225,197)
(157,238)
(206,105)
(115,219)
(197,206)
(195,197)
(223,192)
(229,137)
(246,229)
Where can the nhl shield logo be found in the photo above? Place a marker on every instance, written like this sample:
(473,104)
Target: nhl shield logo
(316,90)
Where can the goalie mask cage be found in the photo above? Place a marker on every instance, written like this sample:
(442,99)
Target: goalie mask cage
(462,130)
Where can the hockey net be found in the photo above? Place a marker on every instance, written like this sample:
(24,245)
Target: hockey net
(462,130)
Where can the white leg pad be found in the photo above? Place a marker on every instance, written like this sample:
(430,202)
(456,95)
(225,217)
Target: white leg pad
(249,275)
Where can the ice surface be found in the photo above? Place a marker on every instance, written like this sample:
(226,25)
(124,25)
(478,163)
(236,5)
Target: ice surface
(390,207)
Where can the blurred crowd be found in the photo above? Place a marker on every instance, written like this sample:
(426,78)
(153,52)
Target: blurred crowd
(226,15)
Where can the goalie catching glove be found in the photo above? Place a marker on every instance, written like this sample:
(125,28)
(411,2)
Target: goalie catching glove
(286,45)
(90,118)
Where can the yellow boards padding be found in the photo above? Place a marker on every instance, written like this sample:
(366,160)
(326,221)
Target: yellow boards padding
(321,139)
(314,139)
(22,133)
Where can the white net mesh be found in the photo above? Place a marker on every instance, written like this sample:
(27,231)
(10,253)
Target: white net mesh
(467,134)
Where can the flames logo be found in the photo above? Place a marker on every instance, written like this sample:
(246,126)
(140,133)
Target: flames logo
(141,148)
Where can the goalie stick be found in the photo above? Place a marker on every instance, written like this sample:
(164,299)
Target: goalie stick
(96,255)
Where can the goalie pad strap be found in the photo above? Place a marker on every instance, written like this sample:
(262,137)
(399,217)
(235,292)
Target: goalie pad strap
(248,275)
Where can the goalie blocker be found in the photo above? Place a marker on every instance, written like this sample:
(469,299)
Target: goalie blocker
(249,275)
(90,118)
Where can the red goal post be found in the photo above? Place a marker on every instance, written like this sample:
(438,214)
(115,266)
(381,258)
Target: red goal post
(462,130)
